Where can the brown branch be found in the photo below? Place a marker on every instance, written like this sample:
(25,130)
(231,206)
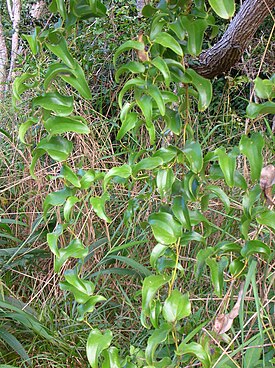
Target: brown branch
(3,61)
(228,50)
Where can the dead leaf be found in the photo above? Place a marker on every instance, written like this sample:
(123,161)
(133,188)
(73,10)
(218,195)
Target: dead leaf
(223,322)
(142,54)
(267,180)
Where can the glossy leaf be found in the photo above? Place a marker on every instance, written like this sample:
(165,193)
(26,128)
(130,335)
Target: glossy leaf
(131,66)
(157,337)
(154,92)
(128,124)
(176,307)
(265,88)
(168,41)
(78,81)
(128,45)
(166,154)
(252,149)
(96,344)
(70,202)
(267,218)
(173,120)
(253,110)
(20,84)
(23,128)
(157,252)
(60,125)
(204,88)
(149,163)
(123,171)
(87,9)
(195,29)
(75,250)
(228,165)
(252,247)
(58,148)
(161,65)
(165,179)
(197,350)
(224,8)
(68,174)
(251,197)
(33,40)
(89,306)
(132,83)
(98,204)
(193,153)
(145,104)
(181,212)
(216,273)
(58,46)
(87,179)
(165,228)
(111,358)
(57,198)
(54,101)
(217,191)
(151,285)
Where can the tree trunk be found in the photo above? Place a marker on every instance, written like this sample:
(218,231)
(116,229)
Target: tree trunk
(227,51)
(3,61)
(14,12)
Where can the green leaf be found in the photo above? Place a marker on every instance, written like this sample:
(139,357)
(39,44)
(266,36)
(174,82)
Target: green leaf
(70,202)
(58,148)
(89,306)
(156,253)
(20,86)
(173,120)
(87,9)
(128,124)
(197,350)
(224,8)
(165,179)
(148,163)
(193,153)
(265,88)
(54,101)
(251,197)
(192,236)
(176,307)
(165,228)
(98,204)
(253,110)
(161,65)
(204,88)
(54,70)
(216,273)
(75,249)
(145,104)
(14,344)
(123,171)
(195,29)
(139,268)
(132,83)
(67,173)
(267,218)
(181,212)
(217,191)
(87,179)
(111,358)
(252,247)
(157,337)
(58,46)
(60,125)
(252,149)
(131,66)
(253,354)
(96,344)
(24,128)
(151,285)
(166,154)
(57,198)
(128,45)
(84,286)
(154,92)
(33,40)
(168,41)
(78,81)
(228,165)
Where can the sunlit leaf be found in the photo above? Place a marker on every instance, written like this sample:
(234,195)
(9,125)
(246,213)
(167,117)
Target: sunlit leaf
(165,228)
(97,342)
(195,29)
(128,45)
(252,247)
(123,171)
(193,153)
(157,337)
(98,204)
(131,66)
(168,41)
(195,349)
(54,101)
(151,285)
(67,173)
(204,88)
(176,307)
(224,8)
(267,218)
(23,128)
(253,110)
(59,125)
(252,149)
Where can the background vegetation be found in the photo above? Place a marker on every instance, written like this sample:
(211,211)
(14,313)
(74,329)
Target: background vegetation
(128,232)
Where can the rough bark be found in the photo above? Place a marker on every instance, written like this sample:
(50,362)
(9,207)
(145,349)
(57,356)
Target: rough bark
(3,61)
(228,50)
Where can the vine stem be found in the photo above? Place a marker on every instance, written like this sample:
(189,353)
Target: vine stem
(174,274)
